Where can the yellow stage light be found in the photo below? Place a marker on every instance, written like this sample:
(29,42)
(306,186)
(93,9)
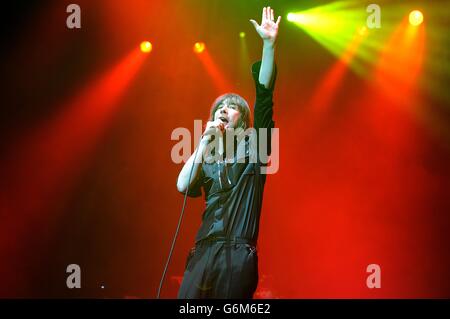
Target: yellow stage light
(199,47)
(146,46)
(415,17)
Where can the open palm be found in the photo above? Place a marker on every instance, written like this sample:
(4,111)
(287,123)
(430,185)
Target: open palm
(268,30)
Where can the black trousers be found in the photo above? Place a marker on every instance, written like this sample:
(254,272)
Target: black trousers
(220,269)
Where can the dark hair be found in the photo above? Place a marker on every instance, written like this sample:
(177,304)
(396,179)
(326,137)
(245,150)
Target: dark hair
(244,109)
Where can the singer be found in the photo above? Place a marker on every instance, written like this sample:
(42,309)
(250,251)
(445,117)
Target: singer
(224,261)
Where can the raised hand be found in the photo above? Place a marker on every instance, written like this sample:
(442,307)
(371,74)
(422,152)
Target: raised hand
(268,30)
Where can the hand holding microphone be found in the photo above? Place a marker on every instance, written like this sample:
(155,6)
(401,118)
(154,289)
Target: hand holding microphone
(214,127)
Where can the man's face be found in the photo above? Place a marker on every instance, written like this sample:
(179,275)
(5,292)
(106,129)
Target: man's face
(228,113)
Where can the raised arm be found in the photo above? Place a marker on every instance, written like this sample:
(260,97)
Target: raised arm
(268,31)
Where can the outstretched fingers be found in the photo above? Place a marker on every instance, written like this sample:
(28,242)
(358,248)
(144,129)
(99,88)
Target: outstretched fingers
(255,24)
(278,20)
(267,19)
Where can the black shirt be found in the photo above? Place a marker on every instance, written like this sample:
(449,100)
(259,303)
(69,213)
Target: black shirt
(234,191)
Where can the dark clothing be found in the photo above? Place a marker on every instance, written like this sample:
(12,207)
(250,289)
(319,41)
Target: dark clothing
(233,194)
(220,269)
(234,191)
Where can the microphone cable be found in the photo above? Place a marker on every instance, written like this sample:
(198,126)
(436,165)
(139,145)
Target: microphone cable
(178,226)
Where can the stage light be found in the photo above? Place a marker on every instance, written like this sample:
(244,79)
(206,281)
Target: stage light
(335,25)
(146,46)
(415,17)
(242,35)
(298,18)
(295,17)
(290,17)
(199,47)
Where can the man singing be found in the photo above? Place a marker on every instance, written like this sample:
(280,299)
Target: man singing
(224,260)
